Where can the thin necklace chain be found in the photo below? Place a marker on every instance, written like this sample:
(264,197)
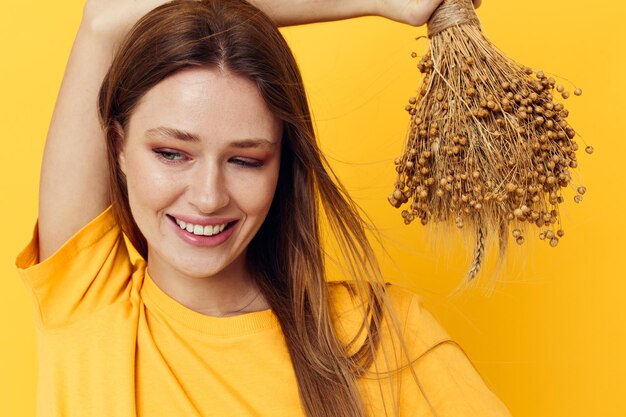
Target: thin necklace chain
(244,307)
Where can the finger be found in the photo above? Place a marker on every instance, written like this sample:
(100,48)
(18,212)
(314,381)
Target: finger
(420,14)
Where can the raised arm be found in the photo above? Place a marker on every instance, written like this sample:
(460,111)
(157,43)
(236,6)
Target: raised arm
(74,185)
(295,12)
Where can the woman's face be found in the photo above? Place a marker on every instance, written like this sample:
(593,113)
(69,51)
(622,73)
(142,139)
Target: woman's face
(201,158)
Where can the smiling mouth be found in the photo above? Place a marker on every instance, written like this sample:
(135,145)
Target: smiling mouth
(199,230)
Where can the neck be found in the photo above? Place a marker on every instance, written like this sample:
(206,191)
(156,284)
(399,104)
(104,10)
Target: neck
(231,291)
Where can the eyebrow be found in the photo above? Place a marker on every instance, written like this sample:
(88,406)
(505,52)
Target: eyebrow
(171,132)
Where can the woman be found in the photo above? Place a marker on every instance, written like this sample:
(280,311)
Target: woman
(216,179)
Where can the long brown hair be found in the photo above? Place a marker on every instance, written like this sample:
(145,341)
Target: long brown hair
(287,251)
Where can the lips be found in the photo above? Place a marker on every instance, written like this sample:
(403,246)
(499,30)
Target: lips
(197,229)
(203,234)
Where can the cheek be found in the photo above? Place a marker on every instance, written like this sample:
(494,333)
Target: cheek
(255,195)
(149,188)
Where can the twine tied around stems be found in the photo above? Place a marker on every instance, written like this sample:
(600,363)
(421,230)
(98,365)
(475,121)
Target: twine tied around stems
(452,13)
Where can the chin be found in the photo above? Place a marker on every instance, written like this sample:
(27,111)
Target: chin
(196,268)
(201,265)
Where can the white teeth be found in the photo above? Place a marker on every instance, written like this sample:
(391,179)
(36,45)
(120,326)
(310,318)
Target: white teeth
(209,230)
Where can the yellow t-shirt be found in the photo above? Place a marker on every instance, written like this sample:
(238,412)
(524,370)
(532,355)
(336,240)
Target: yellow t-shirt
(112,344)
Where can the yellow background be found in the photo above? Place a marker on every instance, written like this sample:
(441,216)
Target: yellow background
(550,340)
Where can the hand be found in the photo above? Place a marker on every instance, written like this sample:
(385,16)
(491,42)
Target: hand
(413,12)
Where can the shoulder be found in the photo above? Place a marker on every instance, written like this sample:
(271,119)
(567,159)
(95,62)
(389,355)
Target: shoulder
(410,335)
(404,316)
(415,318)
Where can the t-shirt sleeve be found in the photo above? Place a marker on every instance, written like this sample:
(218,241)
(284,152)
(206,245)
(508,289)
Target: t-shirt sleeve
(452,384)
(91,271)
(454,387)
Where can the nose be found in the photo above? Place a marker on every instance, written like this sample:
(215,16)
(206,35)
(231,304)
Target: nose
(207,190)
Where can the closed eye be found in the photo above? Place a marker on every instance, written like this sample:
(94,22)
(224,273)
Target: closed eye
(249,163)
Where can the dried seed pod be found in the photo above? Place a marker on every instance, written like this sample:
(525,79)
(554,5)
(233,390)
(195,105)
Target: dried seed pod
(501,146)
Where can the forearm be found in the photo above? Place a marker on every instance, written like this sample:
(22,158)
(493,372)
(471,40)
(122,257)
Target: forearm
(296,12)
